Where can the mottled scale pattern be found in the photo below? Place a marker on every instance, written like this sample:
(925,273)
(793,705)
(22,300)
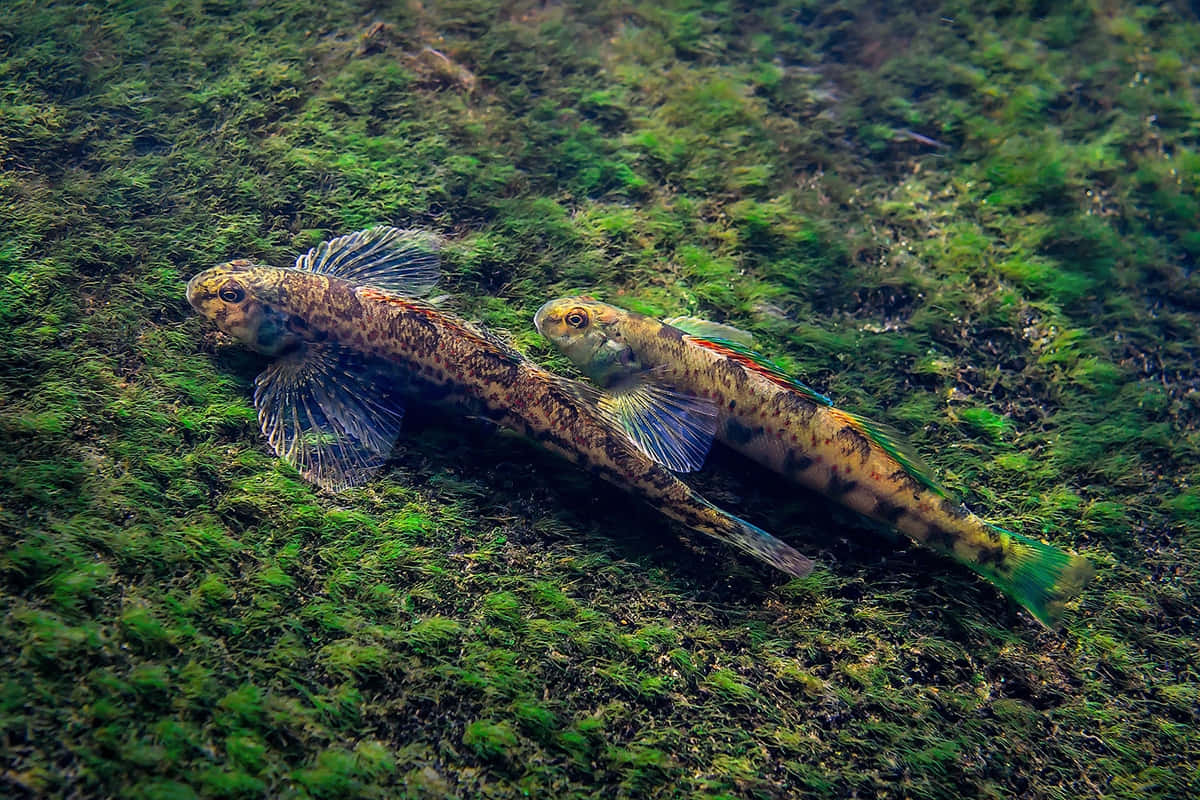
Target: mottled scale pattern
(513,391)
(797,432)
(812,443)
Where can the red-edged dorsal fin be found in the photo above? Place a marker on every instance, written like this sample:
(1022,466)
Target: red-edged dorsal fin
(460,327)
(757,362)
(880,435)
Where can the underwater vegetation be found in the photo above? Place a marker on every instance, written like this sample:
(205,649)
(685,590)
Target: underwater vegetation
(975,222)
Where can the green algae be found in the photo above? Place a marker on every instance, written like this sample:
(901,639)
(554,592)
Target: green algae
(976,224)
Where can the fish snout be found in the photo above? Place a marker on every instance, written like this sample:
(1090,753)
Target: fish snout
(540,317)
(192,294)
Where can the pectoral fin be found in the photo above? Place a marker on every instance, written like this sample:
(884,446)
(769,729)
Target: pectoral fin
(673,428)
(392,259)
(329,412)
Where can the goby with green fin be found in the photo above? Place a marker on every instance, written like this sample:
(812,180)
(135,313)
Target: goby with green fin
(345,318)
(794,430)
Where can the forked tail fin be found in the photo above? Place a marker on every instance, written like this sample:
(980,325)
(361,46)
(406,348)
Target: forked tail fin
(1039,576)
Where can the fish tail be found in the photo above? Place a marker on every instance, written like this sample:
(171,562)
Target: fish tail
(1039,576)
(752,540)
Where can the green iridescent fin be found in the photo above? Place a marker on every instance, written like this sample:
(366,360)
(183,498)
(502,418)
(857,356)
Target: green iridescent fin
(884,436)
(753,360)
(673,428)
(711,330)
(392,259)
(892,442)
(1039,576)
(329,412)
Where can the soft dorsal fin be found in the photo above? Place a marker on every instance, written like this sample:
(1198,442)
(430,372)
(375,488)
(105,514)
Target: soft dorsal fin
(673,428)
(892,442)
(757,362)
(393,259)
(330,412)
(879,434)
(711,330)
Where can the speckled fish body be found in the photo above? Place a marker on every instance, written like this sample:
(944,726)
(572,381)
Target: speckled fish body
(468,363)
(795,431)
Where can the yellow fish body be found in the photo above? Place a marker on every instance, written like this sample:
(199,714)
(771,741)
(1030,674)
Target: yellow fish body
(786,426)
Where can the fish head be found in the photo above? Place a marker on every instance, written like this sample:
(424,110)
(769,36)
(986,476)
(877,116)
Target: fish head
(589,333)
(233,295)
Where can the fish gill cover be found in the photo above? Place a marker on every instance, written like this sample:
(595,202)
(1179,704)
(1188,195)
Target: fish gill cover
(973,223)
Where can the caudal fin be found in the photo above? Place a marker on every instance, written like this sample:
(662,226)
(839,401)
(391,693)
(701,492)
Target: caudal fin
(1039,576)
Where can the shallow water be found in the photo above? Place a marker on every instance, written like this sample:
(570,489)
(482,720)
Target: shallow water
(977,226)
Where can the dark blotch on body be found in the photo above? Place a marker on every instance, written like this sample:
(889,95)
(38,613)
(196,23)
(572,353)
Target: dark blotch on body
(940,537)
(739,434)
(907,481)
(854,442)
(991,556)
(953,509)
(795,463)
(790,402)
(668,332)
(888,511)
(838,486)
(730,373)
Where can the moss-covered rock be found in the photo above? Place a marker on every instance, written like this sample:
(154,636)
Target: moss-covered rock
(976,221)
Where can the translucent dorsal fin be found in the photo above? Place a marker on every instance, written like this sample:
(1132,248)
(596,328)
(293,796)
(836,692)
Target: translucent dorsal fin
(330,412)
(392,259)
(892,442)
(673,428)
(881,435)
(753,360)
(711,330)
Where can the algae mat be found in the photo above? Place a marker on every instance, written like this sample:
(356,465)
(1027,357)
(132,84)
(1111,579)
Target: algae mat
(973,222)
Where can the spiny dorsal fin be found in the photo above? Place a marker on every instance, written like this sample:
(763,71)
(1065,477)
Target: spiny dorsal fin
(330,412)
(881,435)
(711,330)
(673,428)
(393,259)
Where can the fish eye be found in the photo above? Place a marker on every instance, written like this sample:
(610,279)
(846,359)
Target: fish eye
(232,293)
(576,318)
